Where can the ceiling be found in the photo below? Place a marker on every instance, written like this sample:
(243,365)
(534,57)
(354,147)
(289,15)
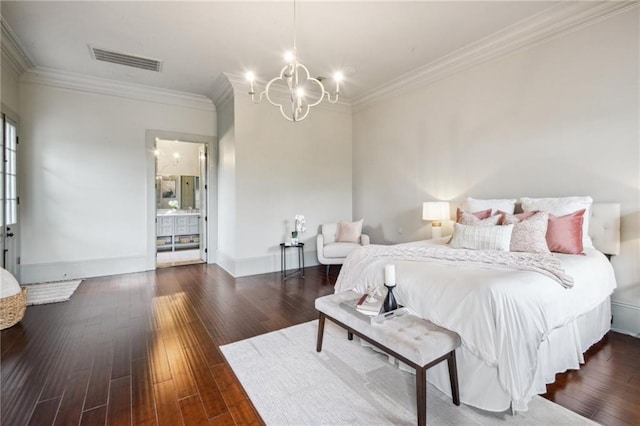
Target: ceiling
(372,42)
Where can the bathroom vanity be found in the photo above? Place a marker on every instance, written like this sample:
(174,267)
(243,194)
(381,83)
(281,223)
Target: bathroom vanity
(175,231)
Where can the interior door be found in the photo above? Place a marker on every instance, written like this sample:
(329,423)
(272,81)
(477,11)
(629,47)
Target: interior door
(202,191)
(10,237)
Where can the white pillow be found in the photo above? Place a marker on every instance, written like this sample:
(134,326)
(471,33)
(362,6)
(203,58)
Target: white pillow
(507,205)
(561,206)
(481,237)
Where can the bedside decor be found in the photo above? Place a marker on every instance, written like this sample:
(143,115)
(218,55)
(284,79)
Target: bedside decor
(436,211)
(174,205)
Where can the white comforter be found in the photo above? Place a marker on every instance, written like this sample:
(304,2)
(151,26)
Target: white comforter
(502,316)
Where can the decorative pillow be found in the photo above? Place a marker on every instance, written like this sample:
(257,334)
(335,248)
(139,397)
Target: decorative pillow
(478,218)
(561,206)
(482,214)
(507,205)
(529,231)
(481,237)
(349,232)
(564,233)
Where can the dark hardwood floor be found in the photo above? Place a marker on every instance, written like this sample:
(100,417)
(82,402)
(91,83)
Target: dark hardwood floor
(142,349)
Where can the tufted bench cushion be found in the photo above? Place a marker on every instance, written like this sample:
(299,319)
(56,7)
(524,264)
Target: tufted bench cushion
(415,341)
(414,338)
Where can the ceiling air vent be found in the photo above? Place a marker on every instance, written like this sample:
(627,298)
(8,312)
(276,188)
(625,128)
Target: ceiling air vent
(125,59)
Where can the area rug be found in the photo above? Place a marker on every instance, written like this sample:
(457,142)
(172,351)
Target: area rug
(289,383)
(40,294)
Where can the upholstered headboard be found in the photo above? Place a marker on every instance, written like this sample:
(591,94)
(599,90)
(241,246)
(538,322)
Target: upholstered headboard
(604,227)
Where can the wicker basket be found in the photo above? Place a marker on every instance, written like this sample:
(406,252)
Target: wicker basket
(12,309)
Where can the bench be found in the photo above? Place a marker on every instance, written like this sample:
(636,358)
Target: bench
(413,340)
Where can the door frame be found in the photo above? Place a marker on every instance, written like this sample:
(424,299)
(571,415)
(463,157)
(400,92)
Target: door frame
(211,192)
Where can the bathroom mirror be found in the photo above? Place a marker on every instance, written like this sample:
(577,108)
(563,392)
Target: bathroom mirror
(184,189)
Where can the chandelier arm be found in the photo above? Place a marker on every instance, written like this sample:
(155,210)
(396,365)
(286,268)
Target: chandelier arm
(335,99)
(253,97)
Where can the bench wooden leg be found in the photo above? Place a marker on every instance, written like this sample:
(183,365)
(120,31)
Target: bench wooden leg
(453,377)
(421,395)
(321,318)
(349,335)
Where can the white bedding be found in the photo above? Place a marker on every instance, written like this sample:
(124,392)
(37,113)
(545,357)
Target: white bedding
(502,316)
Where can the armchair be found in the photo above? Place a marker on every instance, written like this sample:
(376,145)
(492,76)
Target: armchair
(333,252)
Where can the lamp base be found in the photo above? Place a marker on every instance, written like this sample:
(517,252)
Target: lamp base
(436,231)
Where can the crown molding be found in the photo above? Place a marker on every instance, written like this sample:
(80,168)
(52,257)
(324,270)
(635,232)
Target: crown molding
(83,83)
(552,23)
(222,90)
(241,87)
(12,50)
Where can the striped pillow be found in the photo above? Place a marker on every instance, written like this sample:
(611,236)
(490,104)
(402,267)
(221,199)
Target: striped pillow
(481,237)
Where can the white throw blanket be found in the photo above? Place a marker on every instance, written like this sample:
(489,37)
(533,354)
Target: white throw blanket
(545,264)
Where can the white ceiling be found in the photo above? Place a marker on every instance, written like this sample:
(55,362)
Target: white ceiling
(371,41)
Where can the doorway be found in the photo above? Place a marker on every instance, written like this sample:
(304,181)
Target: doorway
(180,201)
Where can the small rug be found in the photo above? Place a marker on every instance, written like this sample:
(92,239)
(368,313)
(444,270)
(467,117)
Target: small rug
(289,383)
(40,294)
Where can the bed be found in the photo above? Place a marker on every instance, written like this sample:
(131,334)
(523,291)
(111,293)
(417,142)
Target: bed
(519,326)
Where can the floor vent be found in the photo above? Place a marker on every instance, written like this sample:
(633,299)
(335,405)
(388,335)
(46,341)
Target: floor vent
(125,59)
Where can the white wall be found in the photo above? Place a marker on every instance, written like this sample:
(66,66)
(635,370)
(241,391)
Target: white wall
(83,170)
(558,119)
(226,185)
(9,89)
(281,169)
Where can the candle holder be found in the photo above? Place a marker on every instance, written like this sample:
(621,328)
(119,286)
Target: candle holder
(390,303)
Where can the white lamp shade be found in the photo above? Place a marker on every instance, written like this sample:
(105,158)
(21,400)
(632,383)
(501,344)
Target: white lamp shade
(436,210)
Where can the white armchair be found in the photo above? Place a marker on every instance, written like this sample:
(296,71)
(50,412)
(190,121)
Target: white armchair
(332,252)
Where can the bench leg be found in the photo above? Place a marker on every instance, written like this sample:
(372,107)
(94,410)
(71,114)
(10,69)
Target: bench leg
(453,377)
(320,331)
(349,335)
(421,395)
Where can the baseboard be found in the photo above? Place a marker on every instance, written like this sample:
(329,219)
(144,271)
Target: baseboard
(626,318)
(60,271)
(246,266)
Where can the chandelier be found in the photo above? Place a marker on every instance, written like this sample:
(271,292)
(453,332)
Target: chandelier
(303,91)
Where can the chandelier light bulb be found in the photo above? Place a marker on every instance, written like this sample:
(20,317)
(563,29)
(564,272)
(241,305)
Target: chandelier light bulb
(289,56)
(176,155)
(250,76)
(338,76)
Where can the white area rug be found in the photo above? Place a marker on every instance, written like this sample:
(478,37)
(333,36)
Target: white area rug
(40,294)
(347,384)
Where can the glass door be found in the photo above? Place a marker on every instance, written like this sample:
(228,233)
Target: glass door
(9,234)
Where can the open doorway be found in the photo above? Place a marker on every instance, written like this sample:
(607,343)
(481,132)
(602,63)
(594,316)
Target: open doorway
(180,202)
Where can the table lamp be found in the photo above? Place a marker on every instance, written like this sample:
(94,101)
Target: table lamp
(436,212)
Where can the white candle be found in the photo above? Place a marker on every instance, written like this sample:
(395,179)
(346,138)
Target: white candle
(390,274)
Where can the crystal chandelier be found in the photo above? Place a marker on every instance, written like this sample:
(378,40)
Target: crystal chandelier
(303,91)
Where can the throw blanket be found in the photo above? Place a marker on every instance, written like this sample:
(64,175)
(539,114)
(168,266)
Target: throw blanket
(545,264)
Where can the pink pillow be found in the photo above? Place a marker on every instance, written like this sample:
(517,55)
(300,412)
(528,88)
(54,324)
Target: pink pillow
(349,232)
(564,233)
(482,214)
